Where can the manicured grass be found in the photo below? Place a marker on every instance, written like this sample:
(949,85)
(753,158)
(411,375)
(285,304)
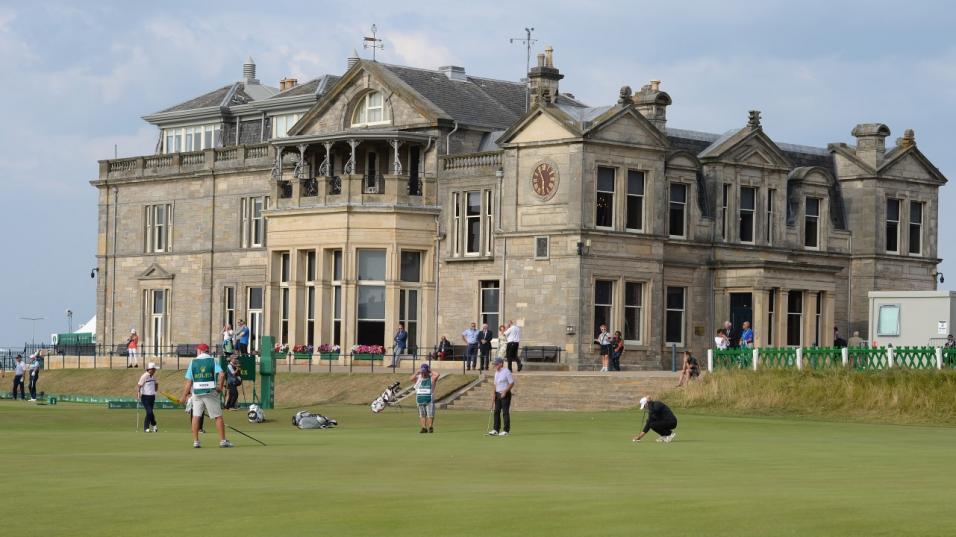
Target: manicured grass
(80,470)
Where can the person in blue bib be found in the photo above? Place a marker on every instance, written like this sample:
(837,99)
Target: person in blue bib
(204,380)
(425,381)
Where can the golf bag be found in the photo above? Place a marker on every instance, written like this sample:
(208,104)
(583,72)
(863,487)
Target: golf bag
(307,420)
(388,397)
(255,414)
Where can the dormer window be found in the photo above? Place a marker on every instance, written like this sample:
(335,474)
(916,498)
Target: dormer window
(371,110)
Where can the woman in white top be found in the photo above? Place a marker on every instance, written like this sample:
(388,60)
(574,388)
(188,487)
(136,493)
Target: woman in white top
(721,341)
(227,335)
(146,392)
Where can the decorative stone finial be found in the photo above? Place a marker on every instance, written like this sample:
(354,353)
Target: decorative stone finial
(908,139)
(753,120)
(624,97)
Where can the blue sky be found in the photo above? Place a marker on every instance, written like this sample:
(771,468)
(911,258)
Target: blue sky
(78,76)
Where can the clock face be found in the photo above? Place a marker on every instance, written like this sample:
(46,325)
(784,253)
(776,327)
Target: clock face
(544,180)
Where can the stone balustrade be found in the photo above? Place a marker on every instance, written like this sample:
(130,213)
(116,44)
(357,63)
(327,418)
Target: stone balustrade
(488,159)
(177,163)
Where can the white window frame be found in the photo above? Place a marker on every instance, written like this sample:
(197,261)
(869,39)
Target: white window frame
(158,236)
(488,239)
(336,271)
(157,323)
(188,138)
(365,107)
(807,217)
(895,331)
(282,123)
(252,228)
(255,317)
(639,197)
(750,213)
(460,220)
(229,305)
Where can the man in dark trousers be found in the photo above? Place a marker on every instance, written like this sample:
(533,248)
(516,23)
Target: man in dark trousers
(659,418)
(18,370)
(484,346)
(504,383)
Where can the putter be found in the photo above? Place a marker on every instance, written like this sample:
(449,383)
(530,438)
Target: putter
(137,416)
(491,415)
(244,434)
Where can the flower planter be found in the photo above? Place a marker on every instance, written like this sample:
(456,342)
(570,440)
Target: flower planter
(365,356)
(328,356)
(302,355)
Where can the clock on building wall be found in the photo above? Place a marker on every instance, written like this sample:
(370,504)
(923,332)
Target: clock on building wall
(544,180)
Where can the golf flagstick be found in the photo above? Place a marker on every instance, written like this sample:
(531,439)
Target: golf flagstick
(244,434)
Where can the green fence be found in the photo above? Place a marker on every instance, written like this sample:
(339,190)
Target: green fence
(820,357)
(869,359)
(733,359)
(778,358)
(949,358)
(915,357)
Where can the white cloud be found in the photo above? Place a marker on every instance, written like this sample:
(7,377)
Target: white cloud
(419,50)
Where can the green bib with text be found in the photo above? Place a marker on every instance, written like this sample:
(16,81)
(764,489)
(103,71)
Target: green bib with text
(423,391)
(204,375)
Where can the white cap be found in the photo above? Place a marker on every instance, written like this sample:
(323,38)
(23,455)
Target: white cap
(644,401)
(151,365)
(132,330)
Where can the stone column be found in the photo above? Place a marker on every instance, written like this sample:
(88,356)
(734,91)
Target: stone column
(809,318)
(780,311)
(761,317)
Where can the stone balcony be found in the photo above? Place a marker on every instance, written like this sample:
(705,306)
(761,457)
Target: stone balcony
(355,189)
(195,162)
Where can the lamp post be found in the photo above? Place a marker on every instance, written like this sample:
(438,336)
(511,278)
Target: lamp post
(69,321)
(33,320)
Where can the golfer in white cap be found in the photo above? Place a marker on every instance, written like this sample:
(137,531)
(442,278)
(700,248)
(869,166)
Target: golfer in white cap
(146,392)
(659,418)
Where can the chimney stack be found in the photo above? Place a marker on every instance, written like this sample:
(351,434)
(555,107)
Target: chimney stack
(249,71)
(871,142)
(454,72)
(543,79)
(652,103)
(288,83)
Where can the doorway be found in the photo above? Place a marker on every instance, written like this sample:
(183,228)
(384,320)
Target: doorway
(741,310)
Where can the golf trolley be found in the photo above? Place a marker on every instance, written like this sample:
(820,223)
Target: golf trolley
(391,397)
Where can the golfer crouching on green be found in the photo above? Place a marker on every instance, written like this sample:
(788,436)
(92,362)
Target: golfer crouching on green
(204,380)
(660,418)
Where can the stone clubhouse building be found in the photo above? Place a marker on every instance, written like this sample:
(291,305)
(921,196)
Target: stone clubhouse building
(329,211)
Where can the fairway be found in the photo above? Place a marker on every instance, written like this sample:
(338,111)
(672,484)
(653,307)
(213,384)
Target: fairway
(82,470)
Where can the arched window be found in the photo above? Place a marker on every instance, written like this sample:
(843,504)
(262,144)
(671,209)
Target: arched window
(371,110)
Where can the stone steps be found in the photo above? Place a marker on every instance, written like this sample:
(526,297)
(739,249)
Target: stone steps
(571,391)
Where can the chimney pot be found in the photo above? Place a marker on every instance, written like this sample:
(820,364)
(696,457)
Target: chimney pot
(655,85)
(249,71)
(541,60)
(549,57)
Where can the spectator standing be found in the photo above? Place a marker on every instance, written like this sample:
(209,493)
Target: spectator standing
(233,381)
(484,346)
(856,341)
(34,374)
(660,419)
(19,369)
(603,339)
(204,380)
(746,336)
(838,340)
(721,342)
(227,336)
(146,390)
(513,334)
(617,350)
(425,381)
(950,342)
(470,337)
(401,343)
(501,403)
(444,349)
(132,349)
(690,369)
(733,338)
(242,339)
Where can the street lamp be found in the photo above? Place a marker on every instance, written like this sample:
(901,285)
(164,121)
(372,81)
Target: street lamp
(69,320)
(34,321)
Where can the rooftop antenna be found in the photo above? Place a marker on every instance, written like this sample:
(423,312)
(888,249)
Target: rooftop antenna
(373,42)
(527,42)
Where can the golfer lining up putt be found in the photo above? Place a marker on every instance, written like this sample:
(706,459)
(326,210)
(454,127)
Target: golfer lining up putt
(204,379)
(660,418)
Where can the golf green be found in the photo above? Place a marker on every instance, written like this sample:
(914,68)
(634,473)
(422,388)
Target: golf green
(82,470)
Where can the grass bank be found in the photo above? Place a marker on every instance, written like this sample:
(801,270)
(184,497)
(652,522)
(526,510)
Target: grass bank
(292,389)
(896,396)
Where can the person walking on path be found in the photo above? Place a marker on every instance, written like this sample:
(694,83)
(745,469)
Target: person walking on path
(425,381)
(242,339)
(513,334)
(470,337)
(233,381)
(204,380)
(401,343)
(19,369)
(501,403)
(604,340)
(34,374)
(484,347)
(132,349)
(146,390)
(660,419)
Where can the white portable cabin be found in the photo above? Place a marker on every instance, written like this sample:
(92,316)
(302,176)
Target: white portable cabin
(911,318)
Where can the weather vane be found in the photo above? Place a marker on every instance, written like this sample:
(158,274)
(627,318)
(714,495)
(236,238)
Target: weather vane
(527,42)
(373,42)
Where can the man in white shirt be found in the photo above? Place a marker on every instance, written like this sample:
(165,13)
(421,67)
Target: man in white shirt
(18,371)
(513,335)
(504,382)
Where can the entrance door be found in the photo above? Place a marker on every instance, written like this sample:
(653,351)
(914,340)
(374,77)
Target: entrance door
(741,309)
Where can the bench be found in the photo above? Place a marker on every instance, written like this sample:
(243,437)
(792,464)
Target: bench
(541,353)
(457,352)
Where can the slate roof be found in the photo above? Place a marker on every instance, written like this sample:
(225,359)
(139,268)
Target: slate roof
(474,101)
(236,93)
(316,86)
(213,98)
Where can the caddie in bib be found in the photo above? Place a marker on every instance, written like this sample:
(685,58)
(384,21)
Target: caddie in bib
(204,380)
(425,381)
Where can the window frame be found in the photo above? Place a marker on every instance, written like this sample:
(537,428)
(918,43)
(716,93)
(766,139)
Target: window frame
(608,207)
(229,305)
(770,193)
(639,308)
(888,221)
(917,226)
(360,115)
(683,207)
(252,228)
(538,256)
(815,219)
(158,237)
(462,222)
(484,313)
(682,310)
(368,284)
(190,138)
(638,200)
(879,320)
(747,214)
(798,314)
(609,317)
